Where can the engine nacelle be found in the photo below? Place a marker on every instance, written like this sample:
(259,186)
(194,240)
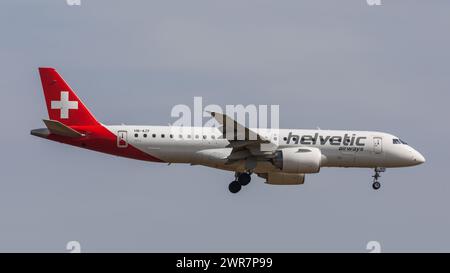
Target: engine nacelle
(285,178)
(298,160)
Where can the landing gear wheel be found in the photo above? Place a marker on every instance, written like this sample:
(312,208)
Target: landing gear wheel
(234,187)
(244,179)
(376,185)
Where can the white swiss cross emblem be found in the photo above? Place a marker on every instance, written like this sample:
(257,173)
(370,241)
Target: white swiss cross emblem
(64,105)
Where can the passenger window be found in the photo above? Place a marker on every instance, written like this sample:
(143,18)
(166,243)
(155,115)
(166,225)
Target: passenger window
(136,135)
(145,135)
(285,138)
(204,136)
(196,136)
(180,136)
(162,135)
(189,136)
(171,136)
(213,137)
(153,135)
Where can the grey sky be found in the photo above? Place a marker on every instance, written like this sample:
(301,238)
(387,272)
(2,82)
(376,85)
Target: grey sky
(332,64)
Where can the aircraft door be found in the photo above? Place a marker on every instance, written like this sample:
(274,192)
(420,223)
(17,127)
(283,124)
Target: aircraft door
(122,139)
(377,145)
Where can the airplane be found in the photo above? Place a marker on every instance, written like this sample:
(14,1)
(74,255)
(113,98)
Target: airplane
(281,157)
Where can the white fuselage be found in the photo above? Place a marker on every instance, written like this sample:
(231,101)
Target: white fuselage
(204,146)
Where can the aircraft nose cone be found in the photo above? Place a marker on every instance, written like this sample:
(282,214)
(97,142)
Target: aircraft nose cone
(418,158)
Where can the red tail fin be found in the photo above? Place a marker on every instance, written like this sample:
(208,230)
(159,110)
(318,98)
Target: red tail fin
(63,104)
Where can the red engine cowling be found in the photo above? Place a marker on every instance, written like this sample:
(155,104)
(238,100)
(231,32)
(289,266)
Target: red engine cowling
(298,160)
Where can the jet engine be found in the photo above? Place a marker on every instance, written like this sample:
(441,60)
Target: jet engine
(298,160)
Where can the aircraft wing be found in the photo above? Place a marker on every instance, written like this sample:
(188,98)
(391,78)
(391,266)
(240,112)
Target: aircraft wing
(245,142)
(234,131)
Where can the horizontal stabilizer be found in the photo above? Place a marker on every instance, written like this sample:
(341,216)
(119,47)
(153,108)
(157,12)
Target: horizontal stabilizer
(57,128)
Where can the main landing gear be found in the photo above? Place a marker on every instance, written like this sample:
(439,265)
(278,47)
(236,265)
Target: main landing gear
(376,184)
(241,179)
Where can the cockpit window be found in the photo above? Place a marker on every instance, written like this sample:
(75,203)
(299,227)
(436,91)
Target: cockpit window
(398,141)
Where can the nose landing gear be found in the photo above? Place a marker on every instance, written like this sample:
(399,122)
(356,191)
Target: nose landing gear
(376,184)
(241,179)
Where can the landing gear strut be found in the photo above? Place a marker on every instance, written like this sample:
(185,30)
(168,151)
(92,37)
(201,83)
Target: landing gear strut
(376,184)
(241,179)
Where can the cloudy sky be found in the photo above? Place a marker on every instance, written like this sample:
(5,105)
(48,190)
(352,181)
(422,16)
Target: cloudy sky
(332,64)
